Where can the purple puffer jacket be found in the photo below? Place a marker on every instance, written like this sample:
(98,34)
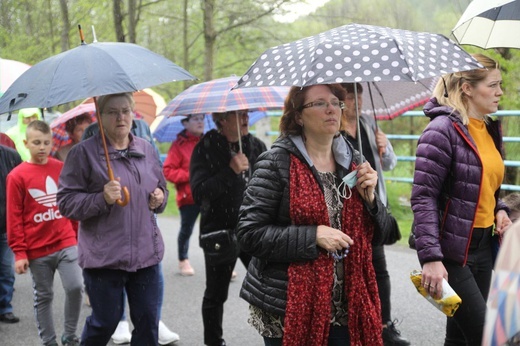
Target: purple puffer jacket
(446,186)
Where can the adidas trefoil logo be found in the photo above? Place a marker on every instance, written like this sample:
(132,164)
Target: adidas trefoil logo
(48,199)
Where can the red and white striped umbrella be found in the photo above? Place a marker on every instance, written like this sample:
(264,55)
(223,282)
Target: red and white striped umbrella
(217,96)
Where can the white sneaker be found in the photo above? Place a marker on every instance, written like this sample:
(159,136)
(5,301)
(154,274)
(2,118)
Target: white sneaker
(122,334)
(166,336)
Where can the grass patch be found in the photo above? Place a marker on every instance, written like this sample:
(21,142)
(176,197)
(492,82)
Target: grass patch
(399,202)
(171,207)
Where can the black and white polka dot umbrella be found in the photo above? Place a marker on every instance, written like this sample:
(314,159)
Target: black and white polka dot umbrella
(358,53)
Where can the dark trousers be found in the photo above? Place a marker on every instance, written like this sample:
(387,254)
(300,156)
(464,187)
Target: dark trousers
(215,295)
(338,336)
(189,215)
(383,282)
(105,288)
(471,283)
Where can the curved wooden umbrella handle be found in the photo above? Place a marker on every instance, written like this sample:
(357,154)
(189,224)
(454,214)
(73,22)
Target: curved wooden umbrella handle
(124,201)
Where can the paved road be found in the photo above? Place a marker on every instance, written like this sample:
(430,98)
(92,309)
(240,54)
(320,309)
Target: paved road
(420,322)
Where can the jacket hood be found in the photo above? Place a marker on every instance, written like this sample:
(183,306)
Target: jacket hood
(344,154)
(433,109)
(185,136)
(26,113)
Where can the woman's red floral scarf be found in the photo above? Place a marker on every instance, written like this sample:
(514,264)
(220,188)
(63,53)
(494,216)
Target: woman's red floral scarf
(309,292)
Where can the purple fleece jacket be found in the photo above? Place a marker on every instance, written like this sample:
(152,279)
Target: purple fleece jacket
(111,236)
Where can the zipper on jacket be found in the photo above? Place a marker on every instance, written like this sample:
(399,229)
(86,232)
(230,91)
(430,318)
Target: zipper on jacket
(465,137)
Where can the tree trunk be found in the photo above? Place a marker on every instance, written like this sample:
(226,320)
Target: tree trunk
(132,20)
(118,21)
(65,30)
(210,37)
(185,43)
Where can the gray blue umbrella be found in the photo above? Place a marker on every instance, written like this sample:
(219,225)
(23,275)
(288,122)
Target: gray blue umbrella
(87,71)
(91,70)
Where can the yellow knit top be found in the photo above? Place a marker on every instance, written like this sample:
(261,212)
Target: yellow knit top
(493,172)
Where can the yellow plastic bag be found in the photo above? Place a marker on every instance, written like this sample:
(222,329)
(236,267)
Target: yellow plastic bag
(449,301)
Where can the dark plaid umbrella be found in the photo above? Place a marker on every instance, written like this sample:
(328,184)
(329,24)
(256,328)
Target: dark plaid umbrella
(358,53)
(167,128)
(216,96)
(490,24)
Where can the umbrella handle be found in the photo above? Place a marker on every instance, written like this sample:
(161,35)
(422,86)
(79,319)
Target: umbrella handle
(119,202)
(126,194)
(125,201)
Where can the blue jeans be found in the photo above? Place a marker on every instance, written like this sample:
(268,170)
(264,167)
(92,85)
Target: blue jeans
(161,295)
(6,275)
(189,214)
(105,287)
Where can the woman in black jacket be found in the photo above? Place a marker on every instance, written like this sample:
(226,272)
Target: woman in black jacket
(220,167)
(309,227)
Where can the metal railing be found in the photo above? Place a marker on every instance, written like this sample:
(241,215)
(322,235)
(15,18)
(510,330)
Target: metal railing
(263,131)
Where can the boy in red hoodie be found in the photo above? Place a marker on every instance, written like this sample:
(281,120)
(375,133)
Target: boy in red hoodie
(41,239)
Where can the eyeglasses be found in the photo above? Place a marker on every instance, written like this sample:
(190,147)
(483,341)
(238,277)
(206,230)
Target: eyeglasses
(324,104)
(114,113)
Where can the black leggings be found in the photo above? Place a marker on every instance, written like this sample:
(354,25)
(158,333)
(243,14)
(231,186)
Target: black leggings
(383,282)
(471,283)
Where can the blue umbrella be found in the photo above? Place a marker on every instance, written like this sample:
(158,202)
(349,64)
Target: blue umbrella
(91,70)
(170,127)
(87,71)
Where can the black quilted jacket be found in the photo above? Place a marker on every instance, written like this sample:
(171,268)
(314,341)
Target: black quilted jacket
(265,231)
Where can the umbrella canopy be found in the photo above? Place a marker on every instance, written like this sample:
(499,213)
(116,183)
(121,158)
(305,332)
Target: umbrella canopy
(166,129)
(490,24)
(60,137)
(72,113)
(10,70)
(503,305)
(388,100)
(90,70)
(148,104)
(217,96)
(358,53)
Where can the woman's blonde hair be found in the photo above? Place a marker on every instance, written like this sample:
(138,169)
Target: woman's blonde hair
(448,90)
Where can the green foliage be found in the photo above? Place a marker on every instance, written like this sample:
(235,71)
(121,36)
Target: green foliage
(171,206)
